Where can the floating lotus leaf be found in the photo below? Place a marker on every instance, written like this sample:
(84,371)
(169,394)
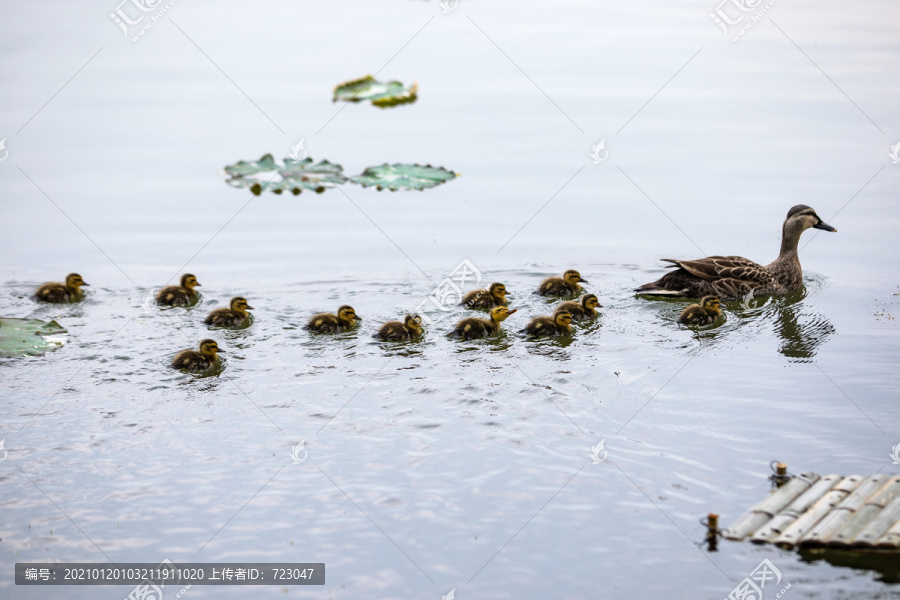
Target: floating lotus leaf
(29,337)
(243,168)
(403,177)
(293,176)
(380,94)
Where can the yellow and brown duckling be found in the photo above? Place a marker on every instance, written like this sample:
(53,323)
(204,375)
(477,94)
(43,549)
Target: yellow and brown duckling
(192,360)
(395,331)
(559,324)
(582,310)
(489,298)
(327,323)
(567,285)
(58,293)
(473,328)
(235,316)
(179,295)
(704,313)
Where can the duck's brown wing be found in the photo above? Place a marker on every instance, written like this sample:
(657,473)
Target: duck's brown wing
(712,268)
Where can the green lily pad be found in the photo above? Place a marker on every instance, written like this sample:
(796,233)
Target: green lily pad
(29,337)
(380,94)
(292,176)
(243,168)
(403,177)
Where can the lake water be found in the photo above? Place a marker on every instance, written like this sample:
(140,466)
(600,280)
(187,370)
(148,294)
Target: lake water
(436,465)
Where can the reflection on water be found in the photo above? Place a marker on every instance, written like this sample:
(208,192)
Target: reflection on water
(884,563)
(800,329)
(801,332)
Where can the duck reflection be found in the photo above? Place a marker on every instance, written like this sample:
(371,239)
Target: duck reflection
(801,332)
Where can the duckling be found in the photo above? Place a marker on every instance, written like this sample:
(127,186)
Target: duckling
(704,313)
(567,285)
(178,295)
(58,293)
(583,309)
(559,324)
(230,317)
(395,331)
(191,360)
(473,328)
(489,298)
(328,323)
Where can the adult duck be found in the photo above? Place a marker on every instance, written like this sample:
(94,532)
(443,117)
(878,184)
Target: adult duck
(735,276)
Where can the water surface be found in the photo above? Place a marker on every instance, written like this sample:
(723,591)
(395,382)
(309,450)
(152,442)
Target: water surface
(435,465)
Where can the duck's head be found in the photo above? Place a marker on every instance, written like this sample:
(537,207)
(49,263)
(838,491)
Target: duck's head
(347,315)
(711,304)
(572,277)
(498,290)
(563,318)
(74,281)
(209,348)
(590,302)
(189,281)
(501,312)
(802,217)
(239,305)
(413,322)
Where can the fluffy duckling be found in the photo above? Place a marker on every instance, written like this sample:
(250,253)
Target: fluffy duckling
(582,310)
(567,285)
(230,317)
(489,298)
(328,323)
(178,295)
(473,327)
(191,360)
(58,293)
(395,331)
(704,313)
(559,324)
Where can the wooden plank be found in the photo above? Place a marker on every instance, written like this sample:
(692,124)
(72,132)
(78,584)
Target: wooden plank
(796,530)
(827,528)
(775,527)
(769,506)
(870,522)
(891,539)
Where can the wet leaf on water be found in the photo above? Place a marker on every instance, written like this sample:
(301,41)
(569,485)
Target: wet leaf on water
(380,94)
(290,176)
(29,337)
(403,177)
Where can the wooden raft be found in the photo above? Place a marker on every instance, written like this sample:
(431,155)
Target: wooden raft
(811,511)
